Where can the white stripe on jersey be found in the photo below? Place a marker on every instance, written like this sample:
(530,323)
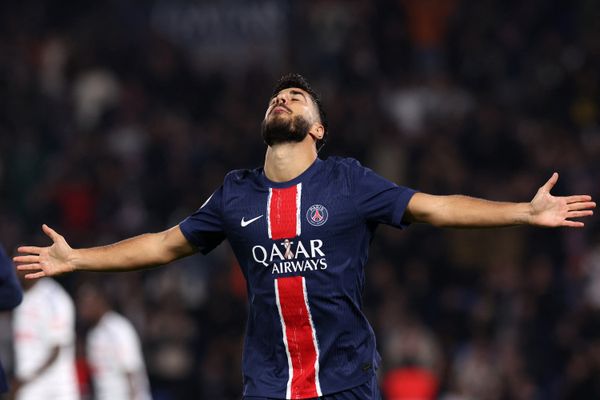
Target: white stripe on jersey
(288,390)
(314,334)
(298,203)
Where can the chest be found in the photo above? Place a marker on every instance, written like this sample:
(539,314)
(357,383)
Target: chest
(105,348)
(300,211)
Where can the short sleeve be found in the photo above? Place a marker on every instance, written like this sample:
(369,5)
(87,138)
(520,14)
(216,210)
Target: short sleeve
(204,228)
(377,199)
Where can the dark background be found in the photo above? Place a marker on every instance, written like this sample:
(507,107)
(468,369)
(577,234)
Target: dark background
(121,117)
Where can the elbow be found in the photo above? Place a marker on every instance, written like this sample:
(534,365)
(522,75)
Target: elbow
(446,222)
(434,220)
(169,251)
(163,259)
(442,224)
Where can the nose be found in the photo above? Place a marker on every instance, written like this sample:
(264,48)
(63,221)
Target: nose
(281,98)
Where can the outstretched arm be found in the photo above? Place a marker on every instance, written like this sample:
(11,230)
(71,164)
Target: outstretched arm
(142,251)
(459,211)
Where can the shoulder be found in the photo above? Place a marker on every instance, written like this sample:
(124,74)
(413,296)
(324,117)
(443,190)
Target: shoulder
(114,326)
(346,168)
(241,175)
(117,322)
(47,288)
(52,300)
(343,164)
(56,295)
(241,178)
(338,174)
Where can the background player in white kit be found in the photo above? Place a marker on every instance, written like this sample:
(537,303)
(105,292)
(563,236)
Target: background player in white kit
(113,349)
(44,337)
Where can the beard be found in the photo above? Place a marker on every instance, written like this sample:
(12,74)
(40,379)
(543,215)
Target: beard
(277,130)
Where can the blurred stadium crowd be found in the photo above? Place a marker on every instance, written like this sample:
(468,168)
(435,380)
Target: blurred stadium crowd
(122,117)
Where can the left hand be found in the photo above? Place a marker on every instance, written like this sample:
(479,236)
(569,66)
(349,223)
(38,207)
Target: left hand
(555,211)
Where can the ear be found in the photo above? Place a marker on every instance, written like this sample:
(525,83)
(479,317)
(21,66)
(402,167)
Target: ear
(317,131)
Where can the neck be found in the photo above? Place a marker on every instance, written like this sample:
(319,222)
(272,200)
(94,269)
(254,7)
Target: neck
(286,161)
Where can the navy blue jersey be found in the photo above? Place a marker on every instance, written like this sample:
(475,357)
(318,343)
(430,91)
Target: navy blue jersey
(302,246)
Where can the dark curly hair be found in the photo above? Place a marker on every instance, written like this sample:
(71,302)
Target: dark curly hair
(294,80)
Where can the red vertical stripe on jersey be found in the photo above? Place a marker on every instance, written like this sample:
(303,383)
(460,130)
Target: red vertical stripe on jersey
(299,337)
(283,210)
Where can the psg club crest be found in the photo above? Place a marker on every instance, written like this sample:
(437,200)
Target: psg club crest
(317,215)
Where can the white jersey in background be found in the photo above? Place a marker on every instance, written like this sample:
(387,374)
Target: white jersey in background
(115,357)
(44,320)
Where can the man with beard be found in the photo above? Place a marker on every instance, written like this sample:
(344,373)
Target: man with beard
(300,228)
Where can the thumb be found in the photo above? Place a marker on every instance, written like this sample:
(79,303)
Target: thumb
(51,233)
(551,182)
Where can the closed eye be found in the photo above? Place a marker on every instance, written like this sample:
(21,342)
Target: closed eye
(297,95)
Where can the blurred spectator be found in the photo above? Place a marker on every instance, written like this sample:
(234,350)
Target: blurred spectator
(44,332)
(413,359)
(591,267)
(427,25)
(113,349)
(475,373)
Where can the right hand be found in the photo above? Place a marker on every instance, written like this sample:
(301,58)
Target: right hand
(46,261)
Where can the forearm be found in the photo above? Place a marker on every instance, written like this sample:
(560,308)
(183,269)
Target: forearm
(52,357)
(458,211)
(138,252)
(464,212)
(133,389)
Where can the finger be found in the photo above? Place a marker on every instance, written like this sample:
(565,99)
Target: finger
(30,249)
(26,259)
(573,224)
(29,267)
(551,182)
(578,198)
(581,206)
(36,275)
(50,232)
(579,214)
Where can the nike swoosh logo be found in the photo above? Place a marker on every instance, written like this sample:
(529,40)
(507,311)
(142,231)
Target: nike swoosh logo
(245,223)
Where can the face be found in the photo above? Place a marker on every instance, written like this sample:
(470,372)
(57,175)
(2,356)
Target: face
(289,118)
(91,304)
